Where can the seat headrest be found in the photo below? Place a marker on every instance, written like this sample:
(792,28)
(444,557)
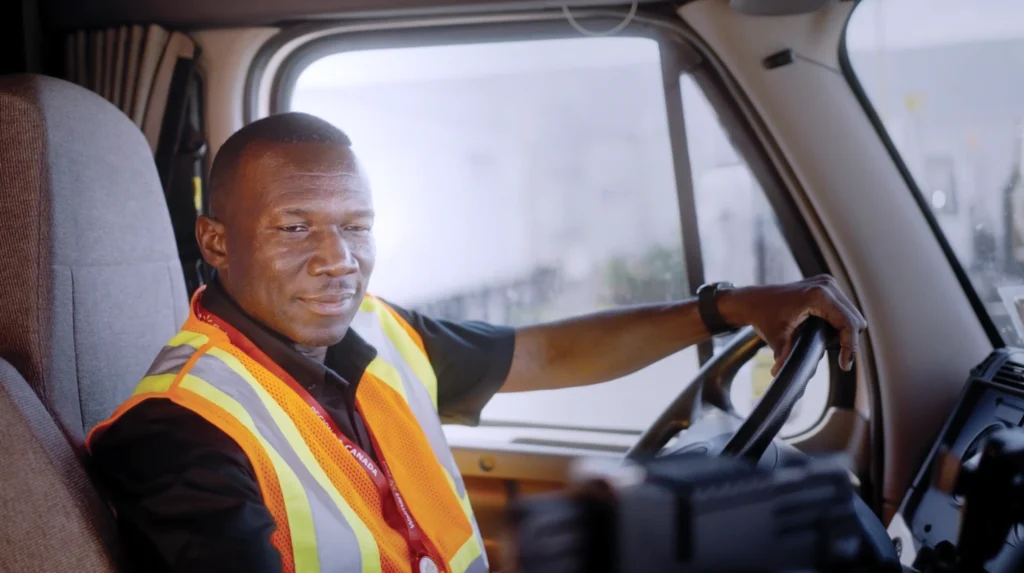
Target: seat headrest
(90,277)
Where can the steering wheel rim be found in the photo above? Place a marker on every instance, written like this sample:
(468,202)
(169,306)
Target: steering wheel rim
(771,412)
(767,418)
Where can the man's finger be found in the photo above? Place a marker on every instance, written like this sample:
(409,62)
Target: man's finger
(781,356)
(849,337)
(846,356)
(842,315)
(854,317)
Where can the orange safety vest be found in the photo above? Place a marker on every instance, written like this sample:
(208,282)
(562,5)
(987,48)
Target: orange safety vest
(329,512)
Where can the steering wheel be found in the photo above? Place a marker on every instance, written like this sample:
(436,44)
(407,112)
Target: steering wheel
(754,437)
(755,434)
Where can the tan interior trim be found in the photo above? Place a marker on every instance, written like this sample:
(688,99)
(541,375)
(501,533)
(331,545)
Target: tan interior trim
(178,46)
(227,55)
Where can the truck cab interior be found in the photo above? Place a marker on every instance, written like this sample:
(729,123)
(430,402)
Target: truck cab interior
(533,160)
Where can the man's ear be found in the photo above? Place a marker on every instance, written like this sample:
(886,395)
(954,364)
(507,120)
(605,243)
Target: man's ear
(212,242)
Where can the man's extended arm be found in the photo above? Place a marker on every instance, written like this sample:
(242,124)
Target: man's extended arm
(607,345)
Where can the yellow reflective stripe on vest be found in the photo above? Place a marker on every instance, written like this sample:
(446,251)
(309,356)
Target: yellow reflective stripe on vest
(466,555)
(387,374)
(193,339)
(155,384)
(368,549)
(300,516)
(406,346)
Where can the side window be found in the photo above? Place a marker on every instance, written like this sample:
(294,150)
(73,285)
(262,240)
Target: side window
(741,242)
(945,84)
(527,181)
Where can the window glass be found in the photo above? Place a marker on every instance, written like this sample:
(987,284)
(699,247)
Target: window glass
(529,181)
(741,242)
(946,79)
(519,182)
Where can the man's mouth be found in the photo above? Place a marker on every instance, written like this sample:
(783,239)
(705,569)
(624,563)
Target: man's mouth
(334,304)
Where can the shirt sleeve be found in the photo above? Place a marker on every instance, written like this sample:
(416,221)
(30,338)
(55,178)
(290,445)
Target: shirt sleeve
(185,494)
(471,359)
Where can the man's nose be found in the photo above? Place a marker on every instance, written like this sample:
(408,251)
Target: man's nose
(333,256)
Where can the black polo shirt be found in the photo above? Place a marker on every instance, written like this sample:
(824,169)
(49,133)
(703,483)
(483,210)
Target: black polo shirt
(186,495)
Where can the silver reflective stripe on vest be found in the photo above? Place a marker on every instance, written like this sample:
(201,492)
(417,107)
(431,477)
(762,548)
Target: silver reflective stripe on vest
(170,360)
(367,324)
(479,565)
(336,542)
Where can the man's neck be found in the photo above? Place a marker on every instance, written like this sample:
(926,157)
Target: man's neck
(316,353)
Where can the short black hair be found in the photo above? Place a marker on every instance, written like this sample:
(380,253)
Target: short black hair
(291,127)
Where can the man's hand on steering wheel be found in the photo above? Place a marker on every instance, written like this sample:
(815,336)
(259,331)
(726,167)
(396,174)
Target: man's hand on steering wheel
(777,311)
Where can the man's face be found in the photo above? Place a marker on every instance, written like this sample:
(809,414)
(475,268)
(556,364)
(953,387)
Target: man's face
(298,247)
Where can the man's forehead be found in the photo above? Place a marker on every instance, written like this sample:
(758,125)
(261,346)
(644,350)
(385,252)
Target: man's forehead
(299,157)
(298,171)
(295,198)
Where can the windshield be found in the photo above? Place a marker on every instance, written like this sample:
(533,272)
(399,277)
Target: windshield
(946,78)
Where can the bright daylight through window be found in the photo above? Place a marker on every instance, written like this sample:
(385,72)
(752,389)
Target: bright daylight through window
(529,181)
(946,78)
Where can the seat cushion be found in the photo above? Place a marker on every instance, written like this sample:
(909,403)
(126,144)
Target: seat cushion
(53,519)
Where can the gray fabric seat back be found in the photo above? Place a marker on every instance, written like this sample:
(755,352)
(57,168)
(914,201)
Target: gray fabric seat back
(90,289)
(91,280)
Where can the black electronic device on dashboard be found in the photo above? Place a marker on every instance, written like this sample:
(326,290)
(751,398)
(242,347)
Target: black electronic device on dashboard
(694,514)
(933,525)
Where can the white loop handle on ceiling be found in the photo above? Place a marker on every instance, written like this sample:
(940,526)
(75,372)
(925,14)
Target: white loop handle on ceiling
(618,28)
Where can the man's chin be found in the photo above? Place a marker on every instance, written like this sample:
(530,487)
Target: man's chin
(320,335)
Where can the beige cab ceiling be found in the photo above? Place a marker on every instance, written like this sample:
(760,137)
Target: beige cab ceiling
(63,14)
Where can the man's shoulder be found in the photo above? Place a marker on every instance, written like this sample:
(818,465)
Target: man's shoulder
(158,425)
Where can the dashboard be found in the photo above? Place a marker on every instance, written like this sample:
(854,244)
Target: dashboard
(992,399)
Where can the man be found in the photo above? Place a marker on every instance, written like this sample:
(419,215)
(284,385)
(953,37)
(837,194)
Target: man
(293,424)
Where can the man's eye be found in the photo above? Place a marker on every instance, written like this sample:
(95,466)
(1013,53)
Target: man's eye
(360,229)
(294,228)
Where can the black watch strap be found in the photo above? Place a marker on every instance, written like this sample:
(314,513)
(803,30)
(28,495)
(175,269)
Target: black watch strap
(707,305)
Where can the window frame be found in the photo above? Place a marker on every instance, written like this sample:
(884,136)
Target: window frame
(842,387)
(681,53)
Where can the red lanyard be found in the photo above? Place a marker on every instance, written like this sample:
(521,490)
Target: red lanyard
(380,474)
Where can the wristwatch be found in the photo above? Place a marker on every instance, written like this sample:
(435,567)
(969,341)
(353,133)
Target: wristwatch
(707,305)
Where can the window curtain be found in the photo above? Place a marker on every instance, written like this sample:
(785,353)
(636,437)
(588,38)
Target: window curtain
(140,69)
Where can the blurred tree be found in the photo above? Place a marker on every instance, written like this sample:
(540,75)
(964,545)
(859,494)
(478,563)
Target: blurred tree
(657,275)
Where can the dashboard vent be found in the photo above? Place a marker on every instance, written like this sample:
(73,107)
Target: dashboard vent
(982,368)
(1010,373)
